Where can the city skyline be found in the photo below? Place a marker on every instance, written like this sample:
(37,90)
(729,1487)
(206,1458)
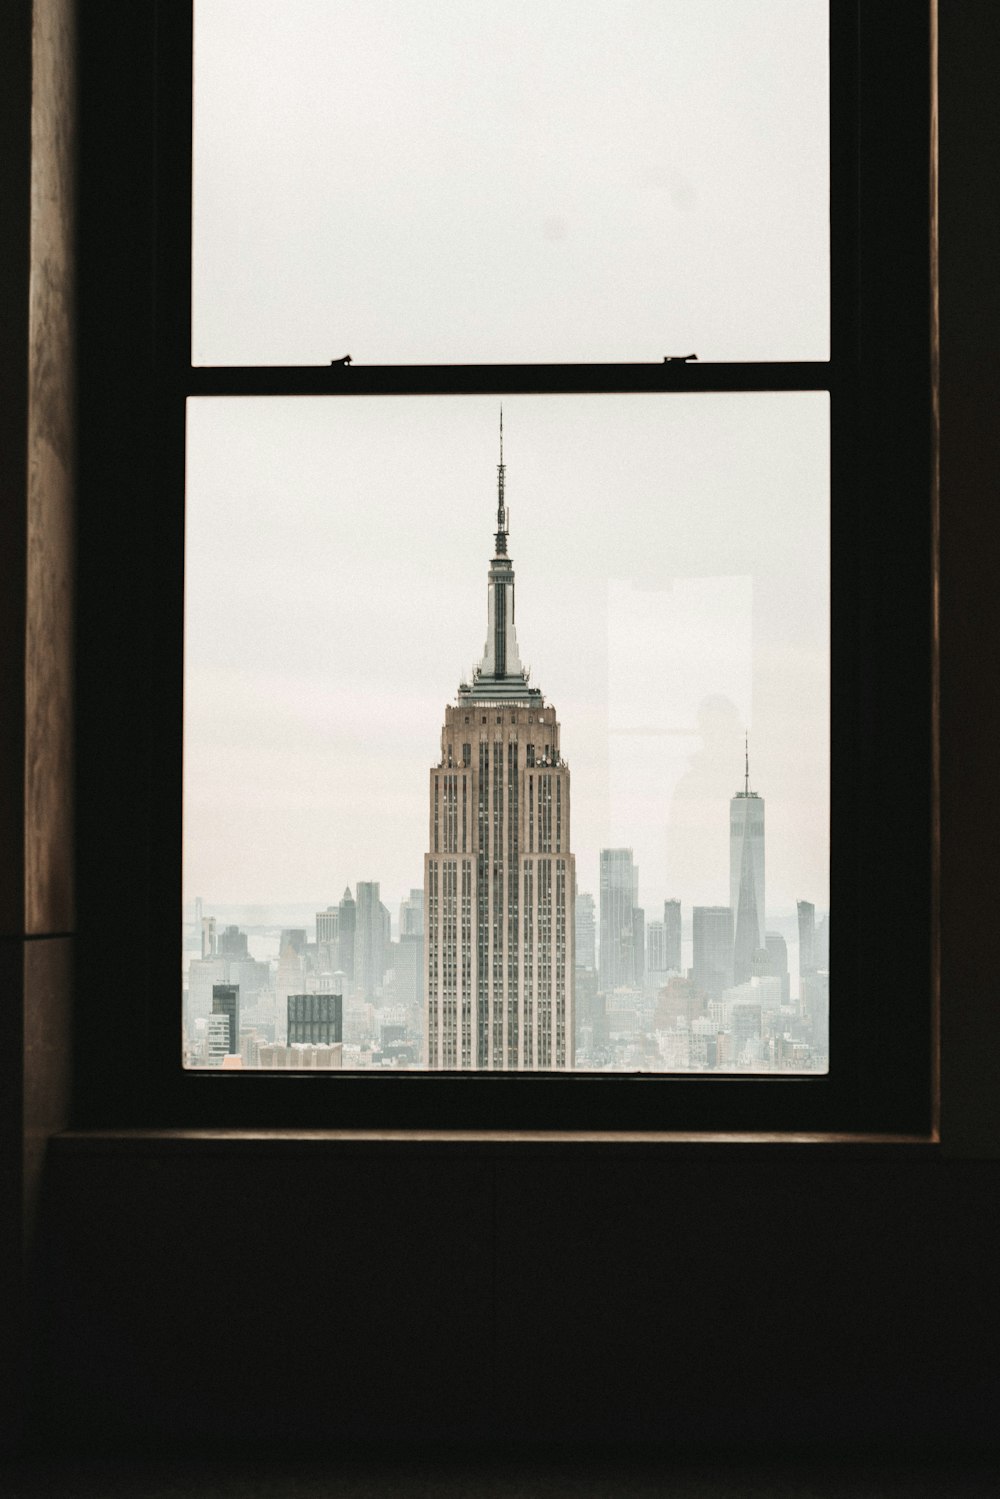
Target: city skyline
(275,662)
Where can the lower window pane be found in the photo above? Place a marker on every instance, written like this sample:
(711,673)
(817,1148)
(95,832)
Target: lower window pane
(425,828)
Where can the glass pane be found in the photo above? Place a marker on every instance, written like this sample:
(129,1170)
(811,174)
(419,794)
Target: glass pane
(455,181)
(419,825)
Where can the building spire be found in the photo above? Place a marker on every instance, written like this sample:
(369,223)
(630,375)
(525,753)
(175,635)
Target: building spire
(746,750)
(501,537)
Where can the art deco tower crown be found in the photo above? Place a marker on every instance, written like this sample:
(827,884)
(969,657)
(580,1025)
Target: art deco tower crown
(500,674)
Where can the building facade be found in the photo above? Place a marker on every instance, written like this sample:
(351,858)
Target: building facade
(499,875)
(226,1001)
(586,935)
(672,937)
(617,893)
(370,939)
(315,1019)
(712,954)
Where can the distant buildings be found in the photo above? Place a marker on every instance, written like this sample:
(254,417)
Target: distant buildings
(347,912)
(672,934)
(807,939)
(777,951)
(656,953)
(226,1001)
(371,940)
(586,945)
(217,1039)
(411,915)
(618,880)
(638,945)
(712,932)
(315,1018)
(328,926)
(232,943)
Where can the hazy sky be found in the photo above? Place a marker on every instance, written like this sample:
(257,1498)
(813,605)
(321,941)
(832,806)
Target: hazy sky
(465,180)
(672,565)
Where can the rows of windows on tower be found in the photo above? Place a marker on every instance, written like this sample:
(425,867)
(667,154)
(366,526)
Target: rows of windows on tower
(498,961)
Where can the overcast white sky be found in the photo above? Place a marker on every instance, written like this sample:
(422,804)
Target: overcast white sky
(672,565)
(461,181)
(476,181)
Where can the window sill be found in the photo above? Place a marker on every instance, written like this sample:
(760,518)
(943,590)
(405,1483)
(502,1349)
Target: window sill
(157,1142)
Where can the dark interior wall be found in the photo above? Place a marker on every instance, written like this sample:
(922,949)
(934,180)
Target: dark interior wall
(37,467)
(317,1294)
(248,1292)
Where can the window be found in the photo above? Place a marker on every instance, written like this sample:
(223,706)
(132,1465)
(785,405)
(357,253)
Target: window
(878,441)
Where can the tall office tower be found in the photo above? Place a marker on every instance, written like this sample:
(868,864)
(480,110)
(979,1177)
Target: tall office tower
(226,1001)
(348,912)
(821,949)
(327,943)
(208,936)
(315,1019)
(499,877)
(617,956)
(712,969)
(369,940)
(217,1046)
(638,945)
(232,943)
(672,923)
(746,875)
(327,925)
(807,939)
(410,970)
(656,952)
(411,915)
(777,951)
(586,946)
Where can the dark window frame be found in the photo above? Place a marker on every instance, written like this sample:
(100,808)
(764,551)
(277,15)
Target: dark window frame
(135,376)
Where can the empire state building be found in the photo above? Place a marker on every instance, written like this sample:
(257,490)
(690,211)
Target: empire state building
(499,877)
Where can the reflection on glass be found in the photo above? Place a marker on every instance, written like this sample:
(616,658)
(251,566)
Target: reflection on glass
(543,180)
(426,827)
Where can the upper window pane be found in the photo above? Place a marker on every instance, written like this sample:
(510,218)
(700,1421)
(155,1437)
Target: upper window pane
(448,181)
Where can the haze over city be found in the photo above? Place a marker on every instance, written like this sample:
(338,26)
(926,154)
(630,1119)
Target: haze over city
(672,563)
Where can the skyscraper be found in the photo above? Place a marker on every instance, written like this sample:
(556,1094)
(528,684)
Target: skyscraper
(807,939)
(746,875)
(327,925)
(656,953)
(638,945)
(226,1001)
(586,951)
(672,923)
(348,913)
(232,943)
(712,969)
(617,956)
(369,940)
(411,915)
(777,949)
(315,1018)
(499,877)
